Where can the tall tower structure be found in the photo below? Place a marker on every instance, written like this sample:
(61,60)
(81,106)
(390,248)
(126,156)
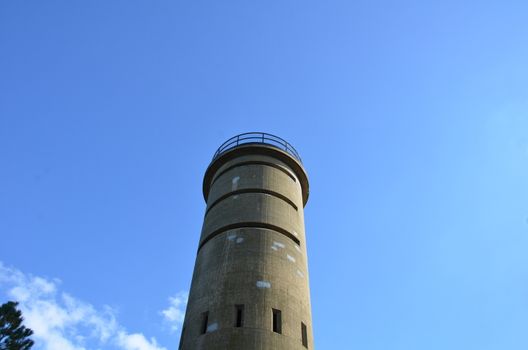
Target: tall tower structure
(250,285)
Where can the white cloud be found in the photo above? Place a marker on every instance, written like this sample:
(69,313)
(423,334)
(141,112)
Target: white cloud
(175,313)
(61,322)
(136,341)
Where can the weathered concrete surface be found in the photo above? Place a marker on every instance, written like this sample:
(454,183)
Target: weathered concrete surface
(252,252)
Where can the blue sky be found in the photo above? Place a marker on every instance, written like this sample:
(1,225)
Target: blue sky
(411,118)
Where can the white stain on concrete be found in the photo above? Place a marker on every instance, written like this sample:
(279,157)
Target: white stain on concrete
(298,249)
(240,239)
(278,245)
(263,284)
(212,327)
(291,258)
(300,274)
(295,233)
(274,248)
(231,237)
(234,183)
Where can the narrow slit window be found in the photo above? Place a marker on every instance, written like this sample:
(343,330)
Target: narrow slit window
(239,315)
(304,335)
(277,321)
(205,321)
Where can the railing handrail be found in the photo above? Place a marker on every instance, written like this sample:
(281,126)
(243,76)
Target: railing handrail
(257,137)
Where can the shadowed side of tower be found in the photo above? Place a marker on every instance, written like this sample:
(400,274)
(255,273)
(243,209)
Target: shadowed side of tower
(250,285)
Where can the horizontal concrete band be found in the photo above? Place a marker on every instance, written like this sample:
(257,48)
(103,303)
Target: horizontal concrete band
(254,162)
(249,225)
(251,190)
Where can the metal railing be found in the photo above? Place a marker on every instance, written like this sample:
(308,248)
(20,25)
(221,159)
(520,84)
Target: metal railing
(257,137)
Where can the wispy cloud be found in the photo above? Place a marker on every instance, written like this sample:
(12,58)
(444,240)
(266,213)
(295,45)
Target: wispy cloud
(60,321)
(136,341)
(175,312)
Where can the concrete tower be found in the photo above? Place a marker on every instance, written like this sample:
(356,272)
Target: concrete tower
(250,284)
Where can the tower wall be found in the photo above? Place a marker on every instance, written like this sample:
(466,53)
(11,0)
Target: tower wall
(252,252)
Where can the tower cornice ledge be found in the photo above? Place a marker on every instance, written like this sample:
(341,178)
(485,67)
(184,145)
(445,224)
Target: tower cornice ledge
(252,149)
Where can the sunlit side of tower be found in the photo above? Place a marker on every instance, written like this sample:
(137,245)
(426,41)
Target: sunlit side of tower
(250,285)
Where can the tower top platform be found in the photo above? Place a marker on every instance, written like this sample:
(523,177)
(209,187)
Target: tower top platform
(257,143)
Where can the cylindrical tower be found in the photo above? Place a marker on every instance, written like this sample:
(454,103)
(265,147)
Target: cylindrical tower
(250,285)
